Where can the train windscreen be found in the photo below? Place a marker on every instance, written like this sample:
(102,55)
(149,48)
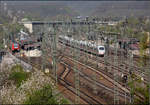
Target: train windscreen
(101,48)
(15,45)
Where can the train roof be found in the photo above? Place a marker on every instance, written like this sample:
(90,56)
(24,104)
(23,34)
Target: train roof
(134,46)
(128,40)
(83,42)
(32,45)
(101,46)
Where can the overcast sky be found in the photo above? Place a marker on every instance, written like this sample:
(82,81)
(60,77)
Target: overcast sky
(85,7)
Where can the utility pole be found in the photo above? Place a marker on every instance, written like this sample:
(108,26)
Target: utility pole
(122,58)
(44,46)
(105,56)
(54,52)
(88,32)
(94,74)
(76,71)
(131,78)
(116,94)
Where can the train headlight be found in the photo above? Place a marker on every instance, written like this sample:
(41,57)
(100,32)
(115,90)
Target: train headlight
(142,78)
(5,46)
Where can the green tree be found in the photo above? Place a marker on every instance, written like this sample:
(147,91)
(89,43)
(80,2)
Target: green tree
(144,91)
(143,47)
(137,88)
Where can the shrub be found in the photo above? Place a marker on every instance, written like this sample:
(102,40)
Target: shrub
(44,96)
(18,75)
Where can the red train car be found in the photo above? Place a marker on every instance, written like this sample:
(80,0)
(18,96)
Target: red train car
(15,47)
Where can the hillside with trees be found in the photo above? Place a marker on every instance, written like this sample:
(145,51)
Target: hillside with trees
(40,10)
(111,8)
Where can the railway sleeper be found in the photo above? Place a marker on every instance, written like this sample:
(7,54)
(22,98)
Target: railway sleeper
(94,91)
(105,95)
(83,85)
(82,94)
(62,72)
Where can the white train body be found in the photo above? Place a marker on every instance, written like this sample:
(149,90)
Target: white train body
(83,45)
(101,50)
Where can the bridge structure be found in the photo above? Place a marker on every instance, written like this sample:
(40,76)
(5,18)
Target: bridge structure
(30,24)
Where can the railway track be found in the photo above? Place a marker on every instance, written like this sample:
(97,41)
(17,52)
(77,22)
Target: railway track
(97,72)
(120,67)
(88,99)
(102,70)
(99,85)
(134,66)
(66,72)
(100,61)
(85,97)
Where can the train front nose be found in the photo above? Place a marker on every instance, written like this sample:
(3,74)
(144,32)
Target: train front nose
(101,53)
